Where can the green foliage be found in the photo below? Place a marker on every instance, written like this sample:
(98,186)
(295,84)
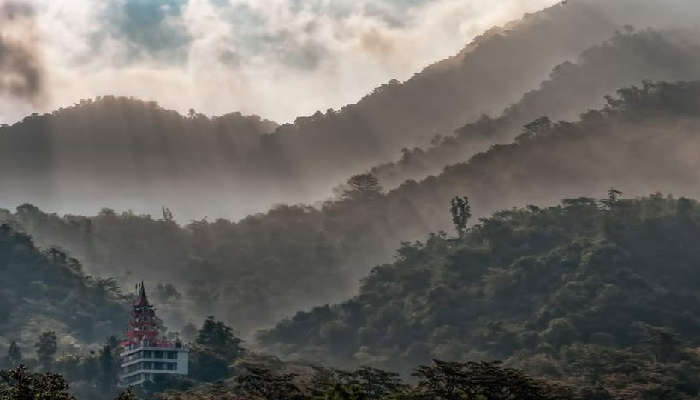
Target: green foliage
(363,187)
(220,338)
(316,251)
(51,286)
(461,212)
(14,354)
(441,380)
(21,384)
(572,291)
(214,350)
(109,366)
(481,380)
(263,384)
(46,348)
(127,395)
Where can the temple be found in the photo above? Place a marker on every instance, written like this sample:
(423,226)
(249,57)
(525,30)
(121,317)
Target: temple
(145,352)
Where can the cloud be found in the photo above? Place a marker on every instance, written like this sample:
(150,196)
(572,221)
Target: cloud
(148,27)
(276,58)
(21,69)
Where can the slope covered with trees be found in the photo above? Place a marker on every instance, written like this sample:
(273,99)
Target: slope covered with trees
(626,59)
(587,292)
(44,291)
(316,254)
(130,152)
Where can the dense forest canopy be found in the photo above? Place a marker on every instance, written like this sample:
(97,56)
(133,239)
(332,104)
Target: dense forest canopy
(47,289)
(572,292)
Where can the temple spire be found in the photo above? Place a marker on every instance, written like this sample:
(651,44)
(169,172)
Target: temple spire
(144,324)
(142,299)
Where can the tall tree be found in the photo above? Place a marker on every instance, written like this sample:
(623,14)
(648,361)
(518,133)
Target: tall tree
(46,348)
(461,212)
(219,337)
(612,199)
(214,349)
(108,368)
(14,354)
(362,187)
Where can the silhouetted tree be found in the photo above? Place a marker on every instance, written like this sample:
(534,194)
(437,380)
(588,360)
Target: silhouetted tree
(537,127)
(46,348)
(362,187)
(482,380)
(461,212)
(14,354)
(21,384)
(128,394)
(109,368)
(214,349)
(612,199)
(262,383)
(220,338)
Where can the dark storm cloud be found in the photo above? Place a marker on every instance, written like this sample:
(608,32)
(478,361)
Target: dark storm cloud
(21,69)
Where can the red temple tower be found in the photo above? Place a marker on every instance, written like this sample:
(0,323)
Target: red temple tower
(145,353)
(143,326)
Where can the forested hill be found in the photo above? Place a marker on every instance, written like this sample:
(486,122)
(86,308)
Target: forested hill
(601,293)
(47,290)
(628,58)
(642,141)
(130,152)
(133,155)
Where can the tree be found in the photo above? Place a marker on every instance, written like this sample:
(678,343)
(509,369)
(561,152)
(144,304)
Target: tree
(46,348)
(263,384)
(461,212)
(362,187)
(128,394)
(482,380)
(662,342)
(21,384)
(684,208)
(537,127)
(14,354)
(371,383)
(108,367)
(219,337)
(167,214)
(214,349)
(613,198)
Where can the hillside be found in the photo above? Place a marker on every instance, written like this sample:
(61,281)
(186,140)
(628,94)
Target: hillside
(129,154)
(550,290)
(624,60)
(47,290)
(316,254)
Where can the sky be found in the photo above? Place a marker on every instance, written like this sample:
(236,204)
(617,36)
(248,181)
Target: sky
(276,58)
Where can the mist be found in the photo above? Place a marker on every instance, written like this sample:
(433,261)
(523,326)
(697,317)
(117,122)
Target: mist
(131,155)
